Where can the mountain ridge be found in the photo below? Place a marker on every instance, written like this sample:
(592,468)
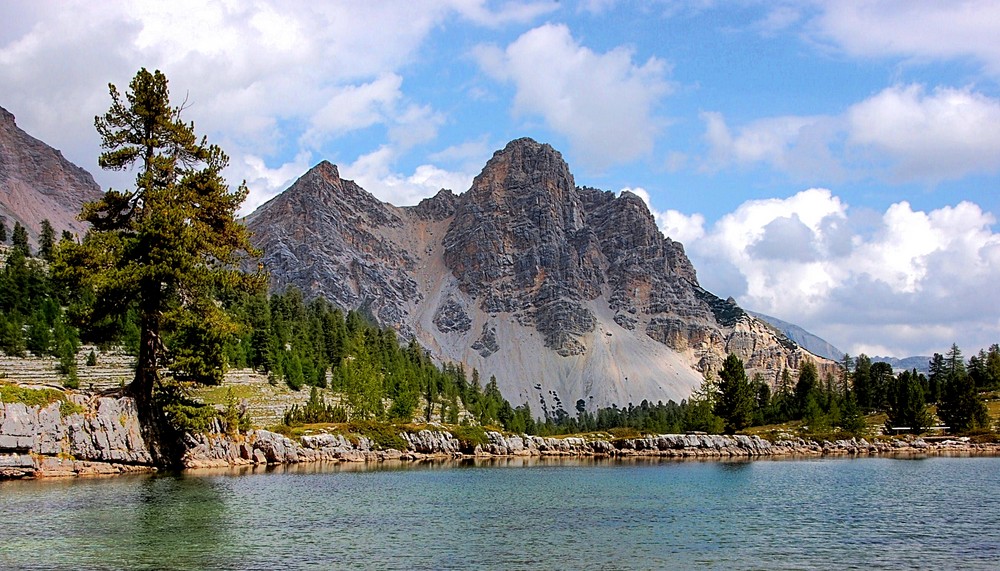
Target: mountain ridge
(564,293)
(37,183)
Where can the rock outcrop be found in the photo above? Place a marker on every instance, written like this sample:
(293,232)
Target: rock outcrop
(37,183)
(564,293)
(100,435)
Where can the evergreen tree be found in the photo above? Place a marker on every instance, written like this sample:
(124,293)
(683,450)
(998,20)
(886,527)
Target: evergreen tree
(807,385)
(993,366)
(907,406)
(846,368)
(936,379)
(167,246)
(19,239)
(861,382)
(853,422)
(960,407)
(3,229)
(735,401)
(880,378)
(699,412)
(46,240)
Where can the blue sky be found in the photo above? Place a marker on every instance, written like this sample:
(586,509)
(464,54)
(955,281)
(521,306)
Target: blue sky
(834,164)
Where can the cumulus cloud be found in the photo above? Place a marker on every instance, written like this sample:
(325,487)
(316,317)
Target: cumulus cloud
(902,282)
(375,173)
(267,80)
(674,224)
(603,103)
(902,134)
(929,136)
(921,29)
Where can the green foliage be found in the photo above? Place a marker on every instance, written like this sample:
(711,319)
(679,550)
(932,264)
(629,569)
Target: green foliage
(699,415)
(3,229)
(19,240)
(46,240)
(853,422)
(469,437)
(315,411)
(907,406)
(10,393)
(383,436)
(735,400)
(167,247)
(91,359)
(960,408)
(234,417)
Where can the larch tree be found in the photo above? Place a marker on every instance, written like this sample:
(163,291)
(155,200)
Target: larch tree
(167,247)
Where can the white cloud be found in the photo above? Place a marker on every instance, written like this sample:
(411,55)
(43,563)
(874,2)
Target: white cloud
(374,172)
(769,140)
(603,103)
(902,134)
(674,224)
(268,182)
(267,80)
(945,134)
(924,29)
(905,282)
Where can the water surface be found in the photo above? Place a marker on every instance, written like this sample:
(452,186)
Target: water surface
(932,513)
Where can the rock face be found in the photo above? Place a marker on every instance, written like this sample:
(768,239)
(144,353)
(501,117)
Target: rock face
(38,183)
(101,435)
(564,293)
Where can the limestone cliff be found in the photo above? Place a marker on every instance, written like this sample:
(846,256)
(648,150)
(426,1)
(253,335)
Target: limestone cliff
(562,292)
(38,183)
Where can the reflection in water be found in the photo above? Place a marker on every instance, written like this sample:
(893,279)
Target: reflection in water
(516,513)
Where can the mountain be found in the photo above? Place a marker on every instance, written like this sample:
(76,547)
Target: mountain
(921,363)
(562,292)
(812,343)
(38,183)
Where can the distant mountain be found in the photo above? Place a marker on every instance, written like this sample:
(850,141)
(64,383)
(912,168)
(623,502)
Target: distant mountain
(562,292)
(38,183)
(812,343)
(920,363)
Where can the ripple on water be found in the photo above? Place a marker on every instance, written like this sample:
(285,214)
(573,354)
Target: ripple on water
(836,513)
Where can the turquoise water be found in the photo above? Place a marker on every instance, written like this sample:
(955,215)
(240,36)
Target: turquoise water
(933,513)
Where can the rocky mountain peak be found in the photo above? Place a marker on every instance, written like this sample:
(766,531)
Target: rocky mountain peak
(37,183)
(562,292)
(522,167)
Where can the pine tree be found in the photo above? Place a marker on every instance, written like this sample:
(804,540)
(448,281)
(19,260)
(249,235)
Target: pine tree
(960,406)
(735,401)
(3,229)
(907,405)
(19,239)
(170,244)
(46,240)
(807,385)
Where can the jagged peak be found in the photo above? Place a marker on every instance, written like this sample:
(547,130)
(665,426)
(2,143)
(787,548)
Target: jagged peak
(6,116)
(524,164)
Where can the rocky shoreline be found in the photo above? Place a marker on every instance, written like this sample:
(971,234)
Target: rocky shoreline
(101,435)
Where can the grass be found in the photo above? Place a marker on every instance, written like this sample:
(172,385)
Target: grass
(11,393)
(220,394)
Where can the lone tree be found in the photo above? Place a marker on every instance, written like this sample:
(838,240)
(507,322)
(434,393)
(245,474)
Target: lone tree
(735,403)
(167,247)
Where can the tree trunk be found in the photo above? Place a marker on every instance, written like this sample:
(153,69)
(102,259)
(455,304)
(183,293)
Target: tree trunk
(161,439)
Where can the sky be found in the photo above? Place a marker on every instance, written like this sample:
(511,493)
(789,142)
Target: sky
(833,164)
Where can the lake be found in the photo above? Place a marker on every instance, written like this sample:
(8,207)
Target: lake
(868,513)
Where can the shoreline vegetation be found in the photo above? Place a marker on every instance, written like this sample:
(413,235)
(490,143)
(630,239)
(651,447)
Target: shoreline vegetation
(76,434)
(167,276)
